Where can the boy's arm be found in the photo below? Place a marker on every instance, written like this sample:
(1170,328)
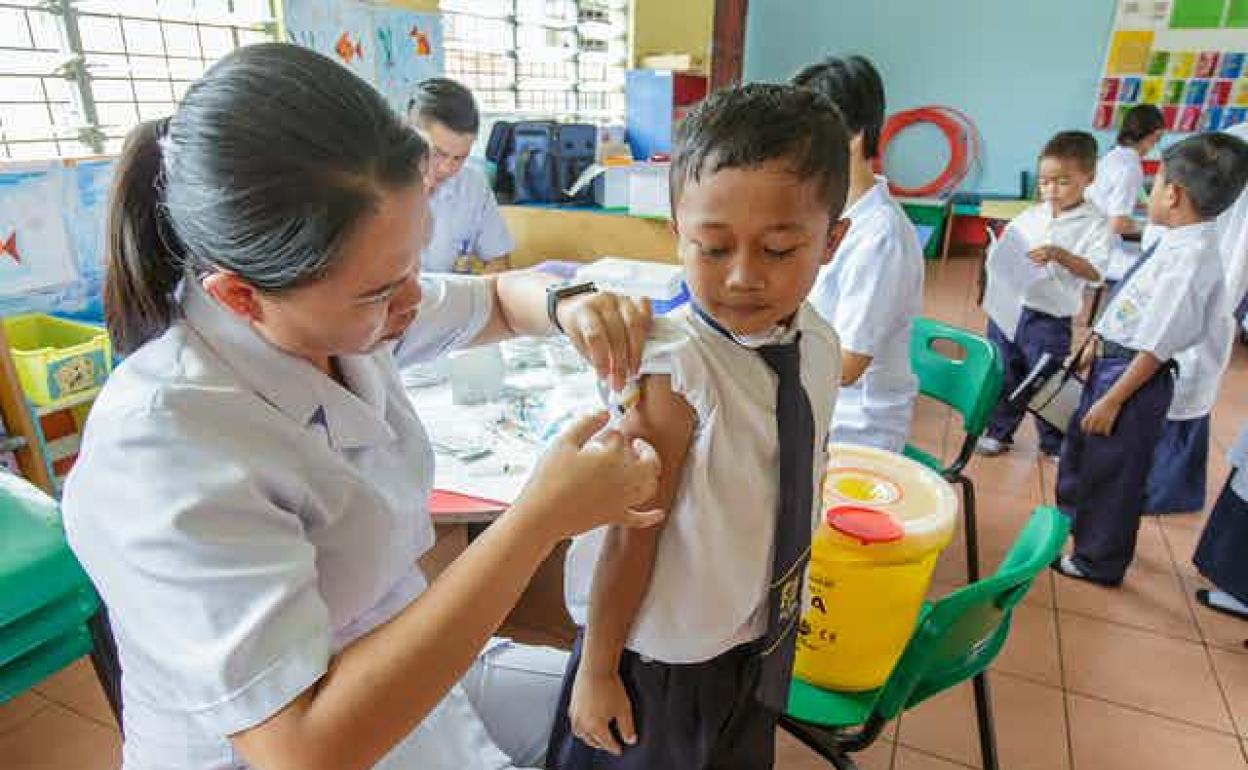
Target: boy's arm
(1100,419)
(622,576)
(853,365)
(1073,263)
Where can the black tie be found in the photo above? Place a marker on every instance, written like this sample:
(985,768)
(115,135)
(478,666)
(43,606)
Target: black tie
(795,425)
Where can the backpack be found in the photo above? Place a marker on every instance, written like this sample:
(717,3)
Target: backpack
(538,161)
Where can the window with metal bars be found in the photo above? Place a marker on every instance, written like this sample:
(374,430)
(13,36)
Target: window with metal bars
(76,75)
(540,58)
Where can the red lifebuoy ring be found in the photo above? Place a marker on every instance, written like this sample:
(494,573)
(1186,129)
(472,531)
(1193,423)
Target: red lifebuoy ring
(958,130)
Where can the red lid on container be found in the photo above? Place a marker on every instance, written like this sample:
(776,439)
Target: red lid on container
(866,525)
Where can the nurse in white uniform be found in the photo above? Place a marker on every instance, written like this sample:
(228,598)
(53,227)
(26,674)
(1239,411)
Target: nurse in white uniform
(1119,183)
(467,223)
(1233,238)
(250,495)
(872,290)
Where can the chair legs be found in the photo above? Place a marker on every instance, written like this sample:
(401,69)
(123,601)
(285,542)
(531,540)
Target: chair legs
(104,660)
(834,745)
(971,527)
(983,701)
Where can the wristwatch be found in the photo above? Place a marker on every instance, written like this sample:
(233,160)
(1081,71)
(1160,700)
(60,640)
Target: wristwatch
(556,293)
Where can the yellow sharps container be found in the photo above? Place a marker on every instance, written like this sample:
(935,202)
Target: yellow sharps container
(886,520)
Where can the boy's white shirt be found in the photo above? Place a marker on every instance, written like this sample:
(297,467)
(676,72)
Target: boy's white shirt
(1201,365)
(1175,307)
(1118,186)
(708,591)
(1084,232)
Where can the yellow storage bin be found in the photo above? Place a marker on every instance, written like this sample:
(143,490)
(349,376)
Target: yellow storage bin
(887,520)
(56,359)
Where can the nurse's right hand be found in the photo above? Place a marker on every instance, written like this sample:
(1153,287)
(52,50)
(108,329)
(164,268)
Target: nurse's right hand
(587,480)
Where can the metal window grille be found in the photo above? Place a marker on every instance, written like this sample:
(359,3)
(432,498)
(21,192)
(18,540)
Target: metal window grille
(540,58)
(77,75)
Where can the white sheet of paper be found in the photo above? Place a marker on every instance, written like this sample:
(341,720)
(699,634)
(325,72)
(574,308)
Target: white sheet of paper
(1010,274)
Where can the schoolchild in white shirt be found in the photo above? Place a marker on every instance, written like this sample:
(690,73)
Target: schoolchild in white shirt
(1171,300)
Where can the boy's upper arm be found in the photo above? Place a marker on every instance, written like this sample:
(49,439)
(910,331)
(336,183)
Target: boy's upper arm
(666,421)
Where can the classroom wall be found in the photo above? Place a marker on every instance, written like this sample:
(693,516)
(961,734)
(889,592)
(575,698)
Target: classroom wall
(1021,69)
(672,26)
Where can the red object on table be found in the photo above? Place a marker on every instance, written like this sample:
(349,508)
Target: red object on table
(446,503)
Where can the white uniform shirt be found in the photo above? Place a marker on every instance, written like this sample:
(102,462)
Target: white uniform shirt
(466,221)
(245,517)
(1084,232)
(1233,237)
(870,293)
(1118,185)
(1175,307)
(708,591)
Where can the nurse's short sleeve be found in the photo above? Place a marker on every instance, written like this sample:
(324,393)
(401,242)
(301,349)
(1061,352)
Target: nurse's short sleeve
(210,581)
(493,238)
(868,313)
(453,311)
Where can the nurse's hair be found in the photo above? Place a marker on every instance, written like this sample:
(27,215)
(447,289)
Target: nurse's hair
(750,125)
(854,85)
(1211,169)
(1140,122)
(268,164)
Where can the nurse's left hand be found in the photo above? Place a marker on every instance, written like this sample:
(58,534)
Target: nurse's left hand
(1100,419)
(609,331)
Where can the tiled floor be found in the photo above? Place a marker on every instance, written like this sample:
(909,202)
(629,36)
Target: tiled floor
(1139,678)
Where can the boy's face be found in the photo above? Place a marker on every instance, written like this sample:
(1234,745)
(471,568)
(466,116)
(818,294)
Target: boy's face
(1164,199)
(1062,182)
(752,241)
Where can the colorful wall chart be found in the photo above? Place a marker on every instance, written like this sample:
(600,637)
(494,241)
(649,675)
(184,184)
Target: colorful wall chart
(392,48)
(1185,56)
(52,217)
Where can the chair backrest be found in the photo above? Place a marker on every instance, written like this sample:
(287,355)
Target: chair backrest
(970,385)
(960,635)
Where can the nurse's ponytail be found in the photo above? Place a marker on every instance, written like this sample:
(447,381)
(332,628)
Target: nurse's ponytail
(142,266)
(267,165)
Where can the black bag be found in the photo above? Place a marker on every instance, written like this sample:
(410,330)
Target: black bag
(538,161)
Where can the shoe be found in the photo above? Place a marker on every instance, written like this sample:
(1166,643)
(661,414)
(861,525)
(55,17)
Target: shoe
(1202,596)
(987,446)
(1052,459)
(1066,565)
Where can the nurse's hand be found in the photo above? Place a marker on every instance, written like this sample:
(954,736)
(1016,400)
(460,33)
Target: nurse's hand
(609,331)
(587,480)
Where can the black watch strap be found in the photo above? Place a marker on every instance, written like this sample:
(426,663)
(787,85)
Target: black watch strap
(557,293)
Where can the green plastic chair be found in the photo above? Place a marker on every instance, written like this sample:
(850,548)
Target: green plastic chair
(955,639)
(46,600)
(970,386)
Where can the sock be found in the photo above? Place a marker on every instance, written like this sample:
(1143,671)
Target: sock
(1070,568)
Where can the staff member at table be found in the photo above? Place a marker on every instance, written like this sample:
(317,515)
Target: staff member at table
(250,495)
(467,223)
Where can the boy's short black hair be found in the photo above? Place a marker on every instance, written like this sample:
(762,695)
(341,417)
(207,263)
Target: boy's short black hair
(447,102)
(1079,146)
(747,126)
(854,85)
(1140,122)
(1211,169)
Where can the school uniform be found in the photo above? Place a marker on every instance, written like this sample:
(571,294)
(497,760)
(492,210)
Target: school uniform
(695,658)
(1117,187)
(870,293)
(245,517)
(1049,306)
(1169,302)
(1222,552)
(1233,238)
(466,222)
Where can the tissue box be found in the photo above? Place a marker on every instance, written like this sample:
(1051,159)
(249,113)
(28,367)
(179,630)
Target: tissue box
(649,192)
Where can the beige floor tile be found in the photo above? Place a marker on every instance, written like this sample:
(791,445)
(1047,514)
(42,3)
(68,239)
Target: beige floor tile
(1105,736)
(1147,599)
(1031,652)
(17,710)
(1231,671)
(792,755)
(1139,669)
(1030,725)
(909,759)
(58,739)
(77,689)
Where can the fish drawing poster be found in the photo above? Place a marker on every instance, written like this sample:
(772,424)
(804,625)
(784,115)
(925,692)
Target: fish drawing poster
(392,48)
(36,254)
